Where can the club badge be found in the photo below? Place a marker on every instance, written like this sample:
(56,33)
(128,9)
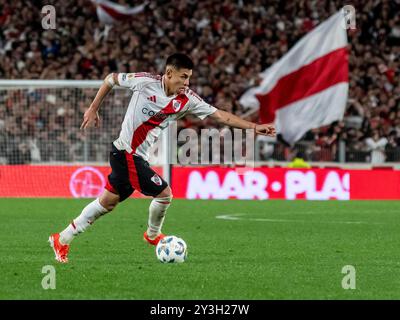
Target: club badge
(176,104)
(156,179)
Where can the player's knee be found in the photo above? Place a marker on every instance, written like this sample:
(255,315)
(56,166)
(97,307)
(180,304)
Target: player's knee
(109,203)
(166,193)
(109,200)
(111,206)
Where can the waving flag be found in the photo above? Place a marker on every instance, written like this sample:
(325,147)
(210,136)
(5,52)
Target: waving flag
(110,12)
(307,88)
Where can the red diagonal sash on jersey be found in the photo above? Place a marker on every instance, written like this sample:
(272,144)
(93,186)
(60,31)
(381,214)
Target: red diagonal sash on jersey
(140,134)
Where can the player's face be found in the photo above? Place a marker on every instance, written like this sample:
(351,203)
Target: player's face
(178,79)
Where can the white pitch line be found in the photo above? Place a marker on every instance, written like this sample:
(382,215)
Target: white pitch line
(239,216)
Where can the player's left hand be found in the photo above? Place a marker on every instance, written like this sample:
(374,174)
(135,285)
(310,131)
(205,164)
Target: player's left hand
(267,129)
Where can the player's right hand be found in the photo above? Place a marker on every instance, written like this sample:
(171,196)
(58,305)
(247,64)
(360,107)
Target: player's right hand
(266,129)
(90,118)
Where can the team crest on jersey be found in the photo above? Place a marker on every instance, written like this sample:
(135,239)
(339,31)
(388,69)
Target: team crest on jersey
(176,104)
(156,179)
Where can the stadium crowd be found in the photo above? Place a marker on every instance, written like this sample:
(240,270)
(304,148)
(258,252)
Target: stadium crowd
(231,42)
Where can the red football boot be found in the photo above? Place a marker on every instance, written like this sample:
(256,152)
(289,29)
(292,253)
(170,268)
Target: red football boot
(60,250)
(154,241)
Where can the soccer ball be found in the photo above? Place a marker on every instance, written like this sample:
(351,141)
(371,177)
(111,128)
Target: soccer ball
(171,249)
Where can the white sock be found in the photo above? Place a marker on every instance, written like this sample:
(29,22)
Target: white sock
(90,213)
(157,210)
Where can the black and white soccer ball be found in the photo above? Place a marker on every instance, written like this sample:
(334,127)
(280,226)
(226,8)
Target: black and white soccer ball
(171,249)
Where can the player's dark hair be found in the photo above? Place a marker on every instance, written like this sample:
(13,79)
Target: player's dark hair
(179,61)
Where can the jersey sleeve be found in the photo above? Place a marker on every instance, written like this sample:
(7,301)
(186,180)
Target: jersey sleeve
(129,80)
(198,107)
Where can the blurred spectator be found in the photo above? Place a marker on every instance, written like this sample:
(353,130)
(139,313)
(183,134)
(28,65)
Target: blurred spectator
(266,146)
(376,145)
(299,162)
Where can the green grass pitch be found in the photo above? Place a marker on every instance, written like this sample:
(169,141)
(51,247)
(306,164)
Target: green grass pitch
(259,250)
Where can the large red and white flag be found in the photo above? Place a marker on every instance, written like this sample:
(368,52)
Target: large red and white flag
(110,12)
(307,88)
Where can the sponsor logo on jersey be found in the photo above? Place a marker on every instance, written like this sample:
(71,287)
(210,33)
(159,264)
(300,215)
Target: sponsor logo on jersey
(176,104)
(156,179)
(146,110)
(160,116)
(152,98)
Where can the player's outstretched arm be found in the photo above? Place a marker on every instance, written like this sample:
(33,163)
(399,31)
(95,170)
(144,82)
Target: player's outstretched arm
(91,116)
(231,120)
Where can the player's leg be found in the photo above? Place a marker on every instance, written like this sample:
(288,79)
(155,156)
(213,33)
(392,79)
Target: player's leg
(144,179)
(93,211)
(60,241)
(157,211)
(118,189)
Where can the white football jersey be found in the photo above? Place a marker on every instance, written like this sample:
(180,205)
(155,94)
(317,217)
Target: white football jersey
(150,111)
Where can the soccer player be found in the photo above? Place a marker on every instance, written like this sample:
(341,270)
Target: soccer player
(156,101)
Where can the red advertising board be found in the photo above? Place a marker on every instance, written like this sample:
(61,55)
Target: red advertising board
(55,181)
(283,183)
(209,182)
